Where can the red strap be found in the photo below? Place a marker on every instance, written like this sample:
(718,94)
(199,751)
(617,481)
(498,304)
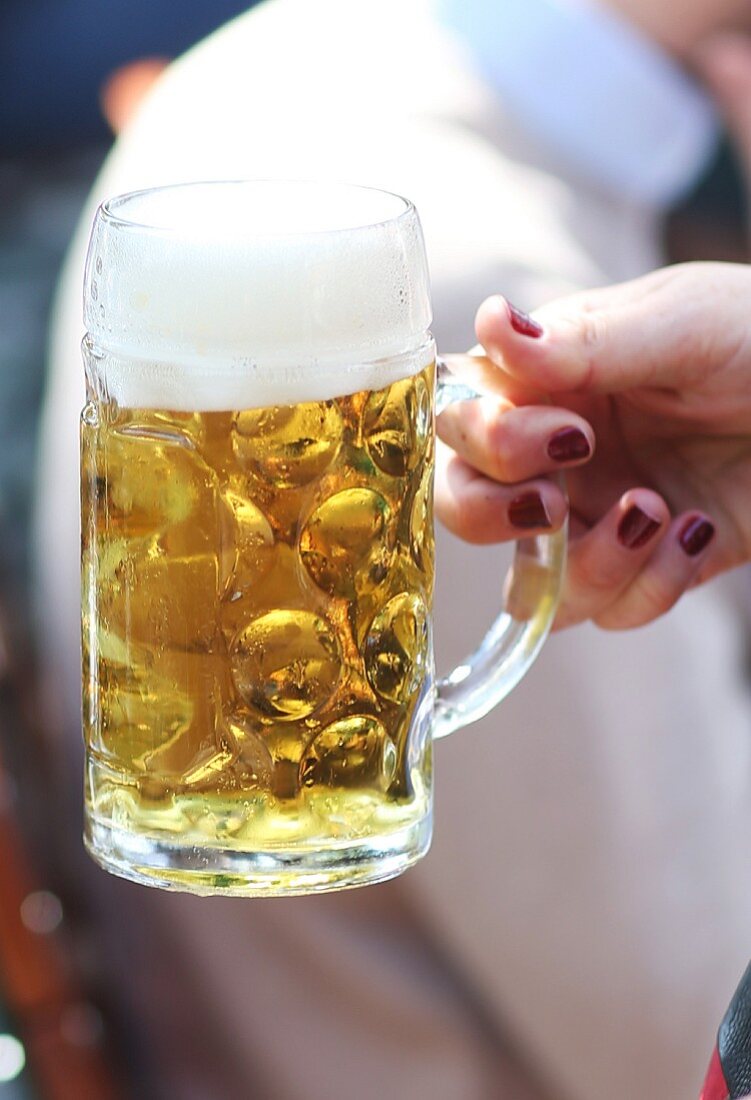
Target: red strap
(715,1086)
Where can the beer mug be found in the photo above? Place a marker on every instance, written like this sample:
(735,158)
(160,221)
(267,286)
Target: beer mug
(258,552)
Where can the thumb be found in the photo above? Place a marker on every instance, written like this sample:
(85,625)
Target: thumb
(673,328)
(724,63)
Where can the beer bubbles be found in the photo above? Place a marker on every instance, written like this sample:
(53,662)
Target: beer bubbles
(257,528)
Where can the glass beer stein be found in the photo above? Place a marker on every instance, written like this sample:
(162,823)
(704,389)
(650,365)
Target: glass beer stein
(258,553)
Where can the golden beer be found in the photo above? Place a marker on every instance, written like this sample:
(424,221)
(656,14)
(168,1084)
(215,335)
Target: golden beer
(257,607)
(257,541)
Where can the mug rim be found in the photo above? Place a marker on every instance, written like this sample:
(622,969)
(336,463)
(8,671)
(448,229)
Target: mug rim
(111,209)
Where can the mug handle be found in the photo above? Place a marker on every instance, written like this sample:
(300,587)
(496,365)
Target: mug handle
(531,593)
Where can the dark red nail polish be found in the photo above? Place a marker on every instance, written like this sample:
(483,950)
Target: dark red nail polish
(637,528)
(528,511)
(522,323)
(569,445)
(696,536)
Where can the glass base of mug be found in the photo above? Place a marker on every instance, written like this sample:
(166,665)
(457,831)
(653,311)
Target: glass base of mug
(210,871)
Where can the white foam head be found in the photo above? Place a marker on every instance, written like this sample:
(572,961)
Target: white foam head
(232,295)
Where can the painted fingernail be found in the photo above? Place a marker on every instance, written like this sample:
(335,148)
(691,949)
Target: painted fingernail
(528,511)
(637,528)
(696,536)
(522,323)
(569,445)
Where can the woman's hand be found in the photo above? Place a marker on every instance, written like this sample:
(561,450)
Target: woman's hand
(660,368)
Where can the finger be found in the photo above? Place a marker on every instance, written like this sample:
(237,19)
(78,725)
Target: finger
(512,445)
(480,373)
(605,561)
(669,572)
(661,330)
(482,511)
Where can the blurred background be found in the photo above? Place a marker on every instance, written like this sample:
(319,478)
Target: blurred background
(72,75)
(71,72)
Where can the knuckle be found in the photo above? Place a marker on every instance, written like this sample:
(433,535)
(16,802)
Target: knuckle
(612,620)
(502,455)
(599,574)
(588,325)
(650,597)
(592,329)
(655,594)
(464,517)
(619,618)
(588,329)
(459,513)
(448,425)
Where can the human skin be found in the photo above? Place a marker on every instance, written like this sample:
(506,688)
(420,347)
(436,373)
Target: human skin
(682,526)
(657,372)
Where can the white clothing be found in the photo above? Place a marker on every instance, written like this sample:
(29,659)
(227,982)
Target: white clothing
(588,894)
(599,93)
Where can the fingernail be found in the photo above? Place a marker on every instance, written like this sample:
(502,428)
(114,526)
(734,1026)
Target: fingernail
(527,511)
(637,528)
(696,536)
(522,323)
(568,445)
